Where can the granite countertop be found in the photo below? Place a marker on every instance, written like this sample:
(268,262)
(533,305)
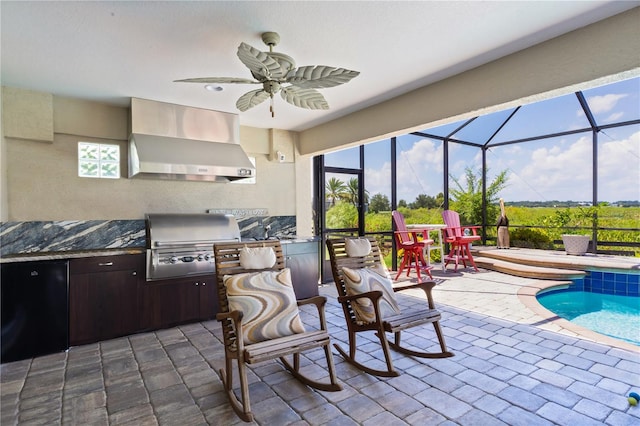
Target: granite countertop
(287,239)
(298,239)
(56,255)
(75,254)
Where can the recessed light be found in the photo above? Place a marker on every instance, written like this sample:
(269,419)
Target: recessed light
(213,88)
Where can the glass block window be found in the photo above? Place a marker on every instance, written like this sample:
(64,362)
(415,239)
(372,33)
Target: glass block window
(98,160)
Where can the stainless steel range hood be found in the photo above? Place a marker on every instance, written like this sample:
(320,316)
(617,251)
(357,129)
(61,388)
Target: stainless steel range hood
(176,142)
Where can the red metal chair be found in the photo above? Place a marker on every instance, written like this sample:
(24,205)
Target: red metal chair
(454,235)
(413,249)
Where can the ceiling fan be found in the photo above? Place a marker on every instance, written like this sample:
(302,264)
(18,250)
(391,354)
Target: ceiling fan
(277,72)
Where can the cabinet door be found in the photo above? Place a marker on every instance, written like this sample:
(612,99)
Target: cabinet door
(302,259)
(103,297)
(208,299)
(178,301)
(102,305)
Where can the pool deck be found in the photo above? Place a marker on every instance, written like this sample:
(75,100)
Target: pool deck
(561,260)
(513,365)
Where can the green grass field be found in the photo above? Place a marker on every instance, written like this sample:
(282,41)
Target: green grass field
(526,225)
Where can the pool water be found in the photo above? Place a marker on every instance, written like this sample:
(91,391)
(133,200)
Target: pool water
(609,314)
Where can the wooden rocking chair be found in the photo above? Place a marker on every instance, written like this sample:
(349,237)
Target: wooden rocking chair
(228,260)
(392,324)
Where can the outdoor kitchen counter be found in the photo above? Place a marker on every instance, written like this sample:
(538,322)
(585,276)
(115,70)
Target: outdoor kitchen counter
(284,240)
(55,255)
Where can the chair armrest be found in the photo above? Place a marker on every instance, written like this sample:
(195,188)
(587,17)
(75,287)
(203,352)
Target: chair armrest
(473,228)
(236,319)
(414,238)
(319,302)
(426,286)
(374,295)
(233,316)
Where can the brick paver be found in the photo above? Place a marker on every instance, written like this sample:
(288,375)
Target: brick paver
(509,368)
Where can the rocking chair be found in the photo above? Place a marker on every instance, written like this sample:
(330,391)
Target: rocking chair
(373,295)
(252,276)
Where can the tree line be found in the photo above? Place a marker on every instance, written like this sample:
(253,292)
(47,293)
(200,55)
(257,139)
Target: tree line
(466,196)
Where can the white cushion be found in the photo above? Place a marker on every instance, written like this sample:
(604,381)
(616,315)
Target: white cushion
(267,302)
(257,257)
(363,280)
(357,247)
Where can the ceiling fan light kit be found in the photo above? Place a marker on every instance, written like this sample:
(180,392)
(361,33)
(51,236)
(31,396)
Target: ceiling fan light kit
(277,72)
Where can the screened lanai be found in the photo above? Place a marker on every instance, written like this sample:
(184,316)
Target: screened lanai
(550,161)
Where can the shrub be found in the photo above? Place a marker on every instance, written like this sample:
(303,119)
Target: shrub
(530,238)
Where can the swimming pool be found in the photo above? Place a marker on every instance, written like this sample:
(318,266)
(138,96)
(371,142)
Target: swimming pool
(608,306)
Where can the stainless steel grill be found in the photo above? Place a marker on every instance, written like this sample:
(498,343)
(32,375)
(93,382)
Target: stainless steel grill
(181,245)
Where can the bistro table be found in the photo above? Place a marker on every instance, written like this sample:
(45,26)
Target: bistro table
(426,229)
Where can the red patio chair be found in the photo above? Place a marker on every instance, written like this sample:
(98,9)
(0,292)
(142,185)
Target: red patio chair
(454,235)
(413,249)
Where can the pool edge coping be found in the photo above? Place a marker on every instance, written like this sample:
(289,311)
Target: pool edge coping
(527,295)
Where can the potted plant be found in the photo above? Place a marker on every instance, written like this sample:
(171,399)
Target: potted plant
(573,224)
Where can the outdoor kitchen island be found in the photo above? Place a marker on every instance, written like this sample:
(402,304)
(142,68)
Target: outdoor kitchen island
(110,296)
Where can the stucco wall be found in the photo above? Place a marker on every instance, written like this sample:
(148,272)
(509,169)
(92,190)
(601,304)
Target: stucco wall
(42,181)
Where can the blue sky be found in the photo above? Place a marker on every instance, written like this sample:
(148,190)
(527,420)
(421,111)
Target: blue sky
(550,169)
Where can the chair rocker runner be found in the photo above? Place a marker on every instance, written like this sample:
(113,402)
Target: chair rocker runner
(251,275)
(366,263)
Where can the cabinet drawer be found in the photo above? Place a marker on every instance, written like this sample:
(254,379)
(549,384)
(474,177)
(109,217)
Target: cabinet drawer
(106,263)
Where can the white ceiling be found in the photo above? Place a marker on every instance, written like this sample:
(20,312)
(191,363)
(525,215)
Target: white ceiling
(110,51)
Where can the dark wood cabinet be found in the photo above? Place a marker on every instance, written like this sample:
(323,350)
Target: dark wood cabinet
(302,259)
(166,303)
(103,297)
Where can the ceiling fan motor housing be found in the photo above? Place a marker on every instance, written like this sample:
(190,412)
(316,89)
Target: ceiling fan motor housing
(271,87)
(271,38)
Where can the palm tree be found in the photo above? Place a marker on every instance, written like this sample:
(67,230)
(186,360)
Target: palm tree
(335,189)
(351,194)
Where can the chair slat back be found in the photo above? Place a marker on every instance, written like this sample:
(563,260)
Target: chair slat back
(452,220)
(339,259)
(227,262)
(402,235)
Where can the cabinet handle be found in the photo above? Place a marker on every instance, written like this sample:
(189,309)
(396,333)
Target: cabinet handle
(196,283)
(105,264)
(204,284)
(134,273)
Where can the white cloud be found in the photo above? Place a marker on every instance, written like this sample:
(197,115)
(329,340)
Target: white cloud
(605,103)
(614,117)
(619,169)
(419,171)
(562,170)
(555,169)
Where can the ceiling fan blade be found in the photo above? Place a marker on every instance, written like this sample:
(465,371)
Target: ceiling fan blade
(260,63)
(251,99)
(217,80)
(304,98)
(320,76)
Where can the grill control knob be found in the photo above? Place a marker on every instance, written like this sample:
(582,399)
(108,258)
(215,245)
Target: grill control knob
(200,257)
(173,259)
